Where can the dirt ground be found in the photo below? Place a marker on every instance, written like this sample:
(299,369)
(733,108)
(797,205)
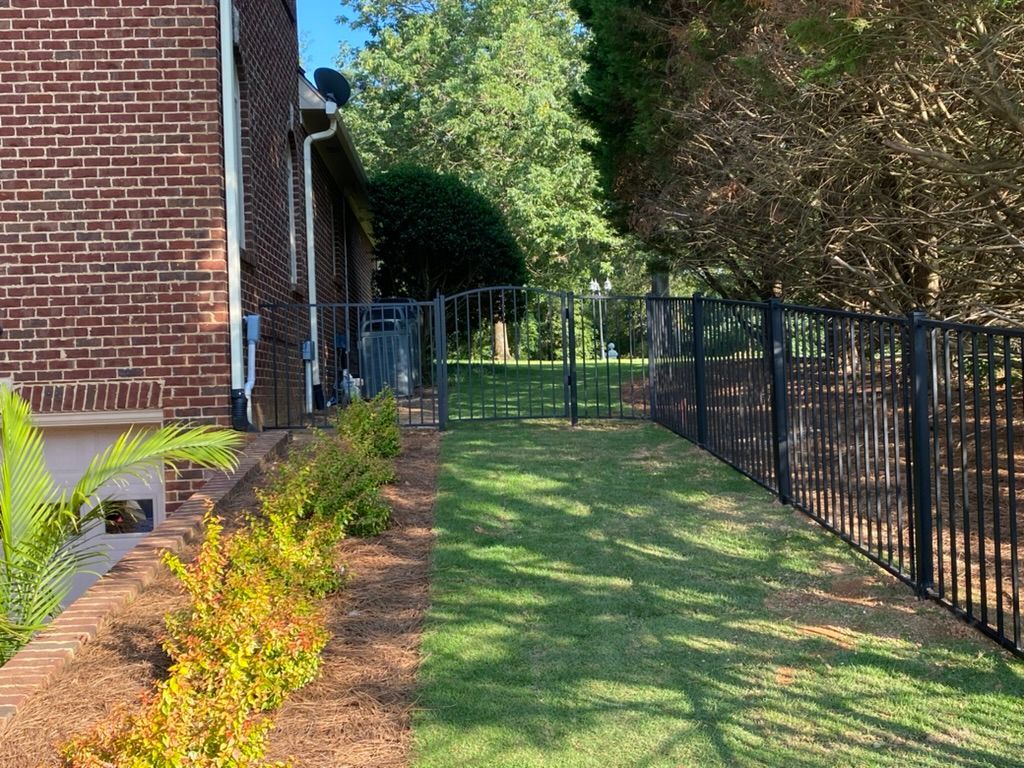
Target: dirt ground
(355,714)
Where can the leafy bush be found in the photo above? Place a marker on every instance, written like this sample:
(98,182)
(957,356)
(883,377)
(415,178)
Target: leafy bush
(251,634)
(246,640)
(372,425)
(331,480)
(436,233)
(299,556)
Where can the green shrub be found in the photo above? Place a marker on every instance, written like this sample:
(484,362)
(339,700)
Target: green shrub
(372,425)
(245,641)
(300,556)
(330,480)
(434,233)
(250,634)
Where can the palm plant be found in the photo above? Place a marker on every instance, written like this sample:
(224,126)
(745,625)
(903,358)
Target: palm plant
(41,525)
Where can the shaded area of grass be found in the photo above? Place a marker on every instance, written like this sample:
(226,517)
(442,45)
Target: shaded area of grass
(610,596)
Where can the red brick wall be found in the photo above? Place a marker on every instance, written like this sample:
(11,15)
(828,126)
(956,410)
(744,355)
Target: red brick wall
(112,257)
(111,199)
(268,51)
(360,255)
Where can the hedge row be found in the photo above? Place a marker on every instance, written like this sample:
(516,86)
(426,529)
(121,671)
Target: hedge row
(253,630)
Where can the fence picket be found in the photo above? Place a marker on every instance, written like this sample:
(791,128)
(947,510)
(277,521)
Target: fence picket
(850,417)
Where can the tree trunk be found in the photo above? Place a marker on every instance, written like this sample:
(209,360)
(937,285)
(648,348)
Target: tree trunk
(501,350)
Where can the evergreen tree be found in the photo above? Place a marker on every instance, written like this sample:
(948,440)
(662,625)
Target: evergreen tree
(487,92)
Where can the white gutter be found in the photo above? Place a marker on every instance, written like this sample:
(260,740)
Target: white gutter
(307,156)
(233,225)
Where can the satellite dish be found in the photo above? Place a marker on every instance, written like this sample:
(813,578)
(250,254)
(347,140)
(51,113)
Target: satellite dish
(332,85)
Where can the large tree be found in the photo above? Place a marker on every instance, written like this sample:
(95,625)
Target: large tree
(860,153)
(487,92)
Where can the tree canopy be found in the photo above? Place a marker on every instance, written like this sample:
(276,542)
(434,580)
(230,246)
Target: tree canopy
(487,92)
(858,153)
(436,234)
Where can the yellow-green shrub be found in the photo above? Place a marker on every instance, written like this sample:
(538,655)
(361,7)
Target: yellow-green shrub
(250,634)
(299,555)
(245,641)
(330,481)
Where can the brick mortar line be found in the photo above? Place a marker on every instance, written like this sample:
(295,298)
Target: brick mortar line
(41,661)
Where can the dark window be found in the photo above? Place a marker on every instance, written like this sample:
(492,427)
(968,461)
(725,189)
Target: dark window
(128,516)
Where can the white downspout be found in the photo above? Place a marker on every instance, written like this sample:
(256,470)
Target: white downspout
(233,225)
(307,156)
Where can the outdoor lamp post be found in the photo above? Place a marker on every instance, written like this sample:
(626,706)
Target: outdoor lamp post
(595,290)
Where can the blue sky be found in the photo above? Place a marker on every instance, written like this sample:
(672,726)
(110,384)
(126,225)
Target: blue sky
(321,34)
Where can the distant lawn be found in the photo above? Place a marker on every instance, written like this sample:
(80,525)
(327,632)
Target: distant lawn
(610,596)
(488,390)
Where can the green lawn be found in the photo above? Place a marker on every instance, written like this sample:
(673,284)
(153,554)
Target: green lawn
(610,596)
(605,388)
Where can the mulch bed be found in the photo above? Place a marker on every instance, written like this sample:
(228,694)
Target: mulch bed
(355,714)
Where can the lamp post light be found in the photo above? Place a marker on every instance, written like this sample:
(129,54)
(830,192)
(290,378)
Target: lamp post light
(595,291)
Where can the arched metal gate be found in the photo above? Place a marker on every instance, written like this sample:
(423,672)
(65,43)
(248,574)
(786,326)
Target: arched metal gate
(503,352)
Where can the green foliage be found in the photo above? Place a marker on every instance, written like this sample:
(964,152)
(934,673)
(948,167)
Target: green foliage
(330,481)
(633,72)
(246,640)
(251,633)
(436,234)
(299,555)
(487,91)
(372,425)
(837,42)
(40,525)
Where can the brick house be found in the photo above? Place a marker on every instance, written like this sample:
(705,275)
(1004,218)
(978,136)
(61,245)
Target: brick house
(152,193)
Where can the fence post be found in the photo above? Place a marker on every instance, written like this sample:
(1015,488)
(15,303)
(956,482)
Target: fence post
(653,351)
(574,405)
(699,377)
(441,365)
(921,451)
(776,338)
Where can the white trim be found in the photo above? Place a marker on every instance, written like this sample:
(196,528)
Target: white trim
(307,172)
(232,189)
(99,418)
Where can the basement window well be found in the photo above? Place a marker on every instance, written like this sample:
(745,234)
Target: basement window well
(128,516)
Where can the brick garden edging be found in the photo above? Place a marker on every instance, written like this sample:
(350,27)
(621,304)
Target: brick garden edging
(37,664)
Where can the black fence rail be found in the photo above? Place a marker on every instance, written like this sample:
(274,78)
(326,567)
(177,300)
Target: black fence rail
(504,352)
(899,434)
(313,359)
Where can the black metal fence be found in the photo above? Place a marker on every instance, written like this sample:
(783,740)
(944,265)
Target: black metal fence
(899,434)
(505,352)
(312,359)
(520,353)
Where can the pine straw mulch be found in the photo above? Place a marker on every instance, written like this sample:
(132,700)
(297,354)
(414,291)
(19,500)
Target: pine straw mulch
(355,714)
